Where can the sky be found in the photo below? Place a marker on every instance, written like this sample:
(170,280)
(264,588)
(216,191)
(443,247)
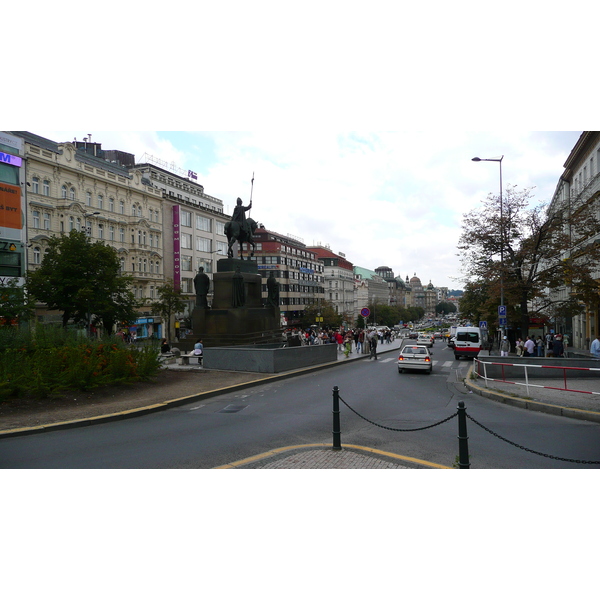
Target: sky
(391,198)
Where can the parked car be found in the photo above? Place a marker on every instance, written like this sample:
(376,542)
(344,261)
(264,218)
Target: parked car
(451,341)
(415,357)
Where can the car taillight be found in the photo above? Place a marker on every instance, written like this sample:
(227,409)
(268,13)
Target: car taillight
(427,359)
(401,358)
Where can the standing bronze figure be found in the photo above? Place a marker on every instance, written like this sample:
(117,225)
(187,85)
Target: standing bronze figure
(202,286)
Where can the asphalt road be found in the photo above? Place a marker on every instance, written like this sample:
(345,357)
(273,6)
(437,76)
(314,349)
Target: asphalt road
(299,411)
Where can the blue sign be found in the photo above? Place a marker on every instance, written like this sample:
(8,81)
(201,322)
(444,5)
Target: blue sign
(502,311)
(483,325)
(9,159)
(502,321)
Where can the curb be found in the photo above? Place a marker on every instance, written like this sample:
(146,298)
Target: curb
(146,410)
(528,404)
(363,449)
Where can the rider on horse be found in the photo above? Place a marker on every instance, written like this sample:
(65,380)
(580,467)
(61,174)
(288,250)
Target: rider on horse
(239,215)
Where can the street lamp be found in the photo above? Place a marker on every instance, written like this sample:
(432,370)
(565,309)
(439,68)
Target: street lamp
(499,161)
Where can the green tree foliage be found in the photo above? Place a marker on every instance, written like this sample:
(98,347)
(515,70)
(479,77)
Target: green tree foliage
(445,307)
(170,302)
(15,304)
(81,279)
(326,309)
(532,252)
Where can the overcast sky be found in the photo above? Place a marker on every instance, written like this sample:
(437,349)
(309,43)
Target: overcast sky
(381,198)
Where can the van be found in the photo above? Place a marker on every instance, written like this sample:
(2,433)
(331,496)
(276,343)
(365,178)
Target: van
(468,342)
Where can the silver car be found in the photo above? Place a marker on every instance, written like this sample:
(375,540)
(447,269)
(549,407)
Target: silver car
(415,357)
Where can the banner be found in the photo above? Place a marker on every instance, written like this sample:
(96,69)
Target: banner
(10,206)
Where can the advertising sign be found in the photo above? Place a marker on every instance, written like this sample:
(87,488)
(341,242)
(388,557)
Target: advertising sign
(176,249)
(10,206)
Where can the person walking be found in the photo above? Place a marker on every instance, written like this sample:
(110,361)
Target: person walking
(519,347)
(361,339)
(595,347)
(529,347)
(504,346)
(373,339)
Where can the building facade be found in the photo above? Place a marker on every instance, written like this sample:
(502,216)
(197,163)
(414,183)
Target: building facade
(193,225)
(296,268)
(338,275)
(578,185)
(71,186)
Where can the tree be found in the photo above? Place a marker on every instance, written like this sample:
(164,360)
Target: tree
(170,302)
(15,304)
(324,308)
(445,307)
(531,252)
(81,279)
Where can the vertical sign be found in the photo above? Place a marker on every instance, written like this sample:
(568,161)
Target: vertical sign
(176,249)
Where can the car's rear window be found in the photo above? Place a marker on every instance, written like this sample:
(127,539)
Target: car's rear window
(467,336)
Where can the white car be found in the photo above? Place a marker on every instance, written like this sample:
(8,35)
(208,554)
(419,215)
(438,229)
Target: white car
(425,340)
(415,357)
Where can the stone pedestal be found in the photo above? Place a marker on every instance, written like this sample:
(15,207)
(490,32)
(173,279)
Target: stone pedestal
(224,325)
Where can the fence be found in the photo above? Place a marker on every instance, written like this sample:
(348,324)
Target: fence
(463,444)
(551,374)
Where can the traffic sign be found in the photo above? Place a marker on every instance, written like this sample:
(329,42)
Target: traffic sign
(483,325)
(502,311)
(502,321)
(365,312)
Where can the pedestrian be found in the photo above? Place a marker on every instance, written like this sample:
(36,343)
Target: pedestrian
(373,339)
(557,345)
(504,346)
(164,347)
(539,346)
(339,340)
(361,339)
(595,347)
(529,347)
(519,347)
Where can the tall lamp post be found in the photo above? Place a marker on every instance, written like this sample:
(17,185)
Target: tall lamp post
(499,161)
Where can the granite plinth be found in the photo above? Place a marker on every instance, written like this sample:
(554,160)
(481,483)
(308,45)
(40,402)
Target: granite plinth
(268,359)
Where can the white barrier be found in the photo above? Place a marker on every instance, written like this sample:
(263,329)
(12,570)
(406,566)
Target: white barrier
(525,367)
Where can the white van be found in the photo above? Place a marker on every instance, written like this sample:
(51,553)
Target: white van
(468,342)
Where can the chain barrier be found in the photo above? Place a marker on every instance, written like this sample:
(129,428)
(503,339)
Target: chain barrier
(572,460)
(394,429)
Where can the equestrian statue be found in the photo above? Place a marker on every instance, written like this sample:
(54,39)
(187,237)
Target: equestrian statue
(240,229)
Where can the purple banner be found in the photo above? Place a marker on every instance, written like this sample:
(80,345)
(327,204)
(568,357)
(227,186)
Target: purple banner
(176,250)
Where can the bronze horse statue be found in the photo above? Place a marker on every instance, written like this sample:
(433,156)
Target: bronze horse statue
(235,233)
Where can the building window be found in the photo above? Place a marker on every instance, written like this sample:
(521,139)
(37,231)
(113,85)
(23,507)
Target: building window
(63,191)
(101,231)
(88,198)
(219,228)
(203,224)
(121,234)
(111,204)
(101,201)
(46,221)
(121,207)
(71,223)
(186,241)
(78,224)
(203,244)
(222,248)
(186,218)
(36,219)
(36,185)
(186,263)
(46,188)
(111,233)
(72,193)
(206,264)
(37,256)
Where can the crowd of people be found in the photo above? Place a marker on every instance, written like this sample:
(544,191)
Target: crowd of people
(551,345)
(348,341)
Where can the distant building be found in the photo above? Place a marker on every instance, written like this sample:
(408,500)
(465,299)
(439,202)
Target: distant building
(338,280)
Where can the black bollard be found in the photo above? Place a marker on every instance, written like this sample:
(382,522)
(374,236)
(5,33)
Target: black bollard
(337,434)
(463,443)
